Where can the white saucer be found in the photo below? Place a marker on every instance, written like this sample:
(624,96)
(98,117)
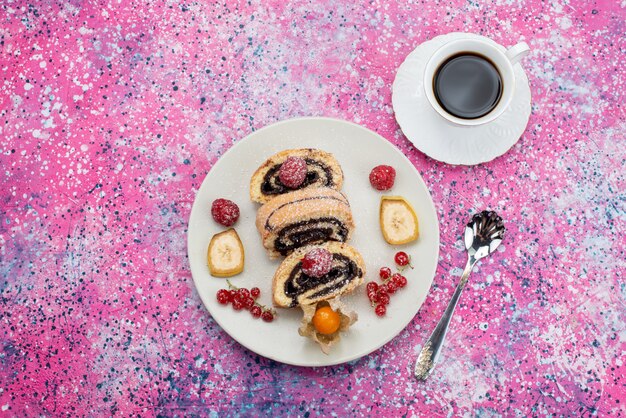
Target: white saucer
(440,139)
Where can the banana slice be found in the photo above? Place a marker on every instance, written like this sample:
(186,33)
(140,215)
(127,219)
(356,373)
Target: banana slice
(225,254)
(398,220)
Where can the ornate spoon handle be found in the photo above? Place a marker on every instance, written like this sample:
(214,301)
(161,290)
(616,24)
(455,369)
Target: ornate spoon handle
(432,347)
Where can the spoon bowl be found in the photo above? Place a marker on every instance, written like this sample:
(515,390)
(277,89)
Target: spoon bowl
(483,234)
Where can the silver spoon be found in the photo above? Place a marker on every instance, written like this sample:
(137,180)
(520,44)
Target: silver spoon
(483,234)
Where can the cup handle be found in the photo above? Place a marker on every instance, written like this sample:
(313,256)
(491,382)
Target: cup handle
(517,52)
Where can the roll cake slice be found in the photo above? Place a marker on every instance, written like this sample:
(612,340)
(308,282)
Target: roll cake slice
(292,287)
(302,217)
(323,170)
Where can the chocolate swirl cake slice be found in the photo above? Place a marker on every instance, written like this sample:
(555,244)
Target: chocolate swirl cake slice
(292,287)
(323,170)
(302,217)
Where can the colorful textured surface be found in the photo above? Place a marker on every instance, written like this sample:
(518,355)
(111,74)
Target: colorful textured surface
(111,114)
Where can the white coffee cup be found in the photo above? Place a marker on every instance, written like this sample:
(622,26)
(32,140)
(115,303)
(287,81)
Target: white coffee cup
(502,60)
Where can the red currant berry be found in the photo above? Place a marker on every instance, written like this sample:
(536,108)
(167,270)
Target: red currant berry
(233,294)
(392,287)
(385,273)
(402,258)
(243,293)
(292,172)
(371,287)
(399,280)
(382,289)
(403,282)
(267,316)
(317,262)
(382,177)
(373,297)
(237,304)
(248,302)
(381,310)
(396,282)
(223,296)
(256,311)
(255,292)
(225,212)
(383,299)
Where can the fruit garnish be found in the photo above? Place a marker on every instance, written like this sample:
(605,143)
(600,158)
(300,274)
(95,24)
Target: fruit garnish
(402,259)
(385,273)
(223,297)
(371,287)
(256,311)
(317,262)
(225,212)
(225,254)
(237,304)
(382,177)
(292,172)
(383,296)
(379,295)
(326,321)
(398,220)
(399,280)
(245,299)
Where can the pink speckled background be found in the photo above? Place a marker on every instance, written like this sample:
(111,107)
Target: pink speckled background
(111,114)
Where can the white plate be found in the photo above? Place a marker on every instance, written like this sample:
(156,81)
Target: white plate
(442,140)
(358,150)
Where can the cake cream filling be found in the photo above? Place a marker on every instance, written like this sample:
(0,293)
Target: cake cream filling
(301,288)
(308,232)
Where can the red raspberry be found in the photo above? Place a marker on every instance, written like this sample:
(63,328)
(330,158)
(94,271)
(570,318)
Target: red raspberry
(255,292)
(382,177)
(267,316)
(385,273)
(381,310)
(317,262)
(225,212)
(293,172)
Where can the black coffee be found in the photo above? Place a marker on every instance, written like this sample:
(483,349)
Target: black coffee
(467,86)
